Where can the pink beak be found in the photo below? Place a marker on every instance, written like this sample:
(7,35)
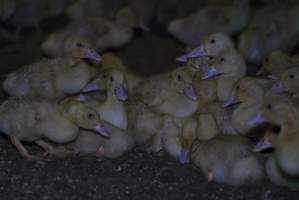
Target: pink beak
(190,92)
(195,53)
(101,130)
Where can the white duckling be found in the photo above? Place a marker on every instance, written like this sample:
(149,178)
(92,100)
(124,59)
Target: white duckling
(171,93)
(34,120)
(228,18)
(54,78)
(102,33)
(227,159)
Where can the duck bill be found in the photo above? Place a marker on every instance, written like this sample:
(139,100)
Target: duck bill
(99,128)
(90,87)
(209,73)
(256,119)
(261,71)
(228,102)
(93,55)
(190,92)
(121,92)
(184,156)
(277,88)
(263,145)
(195,53)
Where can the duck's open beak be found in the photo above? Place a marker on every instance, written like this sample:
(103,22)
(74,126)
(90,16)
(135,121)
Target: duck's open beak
(93,55)
(256,119)
(184,156)
(90,87)
(229,101)
(277,88)
(195,53)
(101,130)
(209,72)
(121,92)
(190,92)
(262,145)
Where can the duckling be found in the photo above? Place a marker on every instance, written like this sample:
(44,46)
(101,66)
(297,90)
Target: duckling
(88,143)
(226,18)
(102,33)
(248,93)
(227,68)
(211,45)
(288,82)
(54,78)
(112,110)
(33,120)
(277,29)
(227,159)
(171,93)
(276,63)
(94,8)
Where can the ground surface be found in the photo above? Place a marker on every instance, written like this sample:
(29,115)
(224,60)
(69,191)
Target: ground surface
(136,175)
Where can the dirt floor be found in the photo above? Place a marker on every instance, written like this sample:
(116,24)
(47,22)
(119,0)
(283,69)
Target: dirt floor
(136,175)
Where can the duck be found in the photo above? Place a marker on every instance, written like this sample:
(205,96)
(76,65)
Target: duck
(53,79)
(227,159)
(104,34)
(94,8)
(287,82)
(112,109)
(227,68)
(33,120)
(211,45)
(277,29)
(248,93)
(227,18)
(170,93)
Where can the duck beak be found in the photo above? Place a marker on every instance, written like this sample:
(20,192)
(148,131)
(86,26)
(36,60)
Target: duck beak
(93,55)
(121,92)
(185,156)
(261,71)
(262,145)
(101,130)
(209,72)
(90,87)
(190,92)
(228,102)
(195,53)
(256,119)
(277,87)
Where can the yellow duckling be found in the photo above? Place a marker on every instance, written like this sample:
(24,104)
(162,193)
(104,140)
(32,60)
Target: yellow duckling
(227,159)
(171,93)
(211,45)
(34,120)
(248,93)
(227,68)
(111,110)
(54,78)
(228,18)
(102,33)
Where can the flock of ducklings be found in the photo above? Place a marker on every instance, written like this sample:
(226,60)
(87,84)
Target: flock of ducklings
(203,111)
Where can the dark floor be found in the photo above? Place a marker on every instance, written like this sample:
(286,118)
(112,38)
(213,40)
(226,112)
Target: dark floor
(136,175)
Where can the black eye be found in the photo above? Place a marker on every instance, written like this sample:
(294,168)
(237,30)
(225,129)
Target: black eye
(79,44)
(269,106)
(238,87)
(211,58)
(292,76)
(180,78)
(222,59)
(104,76)
(90,115)
(111,78)
(276,129)
(212,41)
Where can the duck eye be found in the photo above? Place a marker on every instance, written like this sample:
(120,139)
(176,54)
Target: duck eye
(211,57)
(180,78)
(104,76)
(212,41)
(111,78)
(222,59)
(292,76)
(269,106)
(79,44)
(90,115)
(238,87)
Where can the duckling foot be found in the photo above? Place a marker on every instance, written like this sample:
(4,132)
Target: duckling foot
(57,152)
(210,177)
(22,150)
(100,152)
